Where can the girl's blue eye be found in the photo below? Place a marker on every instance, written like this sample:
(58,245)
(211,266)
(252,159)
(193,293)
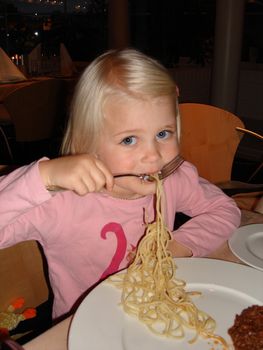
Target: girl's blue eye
(163,134)
(131,140)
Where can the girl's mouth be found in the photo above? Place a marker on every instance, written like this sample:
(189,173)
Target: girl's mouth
(149,177)
(144,177)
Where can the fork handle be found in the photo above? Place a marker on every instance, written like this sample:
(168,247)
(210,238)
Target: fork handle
(123,175)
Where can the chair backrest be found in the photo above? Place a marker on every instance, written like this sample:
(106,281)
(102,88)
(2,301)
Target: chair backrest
(35,109)
(209,139)
(22,275)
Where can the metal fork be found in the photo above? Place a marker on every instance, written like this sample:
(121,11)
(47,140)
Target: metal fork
(167,170)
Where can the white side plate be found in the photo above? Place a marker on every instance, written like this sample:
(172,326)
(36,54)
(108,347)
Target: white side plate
(247,244)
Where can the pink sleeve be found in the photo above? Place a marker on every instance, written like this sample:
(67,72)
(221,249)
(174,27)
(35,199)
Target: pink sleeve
(20,191)
(214,216)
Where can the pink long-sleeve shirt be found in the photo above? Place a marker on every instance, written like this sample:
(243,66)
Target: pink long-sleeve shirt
(86,238)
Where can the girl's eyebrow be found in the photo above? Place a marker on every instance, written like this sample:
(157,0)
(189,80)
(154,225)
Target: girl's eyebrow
(125,132)
(135,131)
(169,126)
(172,126)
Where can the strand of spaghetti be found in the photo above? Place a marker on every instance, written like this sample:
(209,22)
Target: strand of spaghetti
(152,293)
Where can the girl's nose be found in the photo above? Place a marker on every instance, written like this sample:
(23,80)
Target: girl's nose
(151,153)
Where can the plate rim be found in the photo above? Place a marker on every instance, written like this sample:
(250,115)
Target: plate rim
(241,235)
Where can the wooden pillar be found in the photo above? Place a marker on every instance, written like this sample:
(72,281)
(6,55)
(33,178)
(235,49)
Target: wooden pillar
(227,54)
(118,24)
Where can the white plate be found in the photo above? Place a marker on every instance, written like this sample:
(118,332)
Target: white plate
(247,244)
(227,288)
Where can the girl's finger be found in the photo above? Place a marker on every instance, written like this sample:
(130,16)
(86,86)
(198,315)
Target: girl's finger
(108,177)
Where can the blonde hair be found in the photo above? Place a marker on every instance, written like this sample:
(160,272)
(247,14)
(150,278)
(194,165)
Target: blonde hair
(127,73)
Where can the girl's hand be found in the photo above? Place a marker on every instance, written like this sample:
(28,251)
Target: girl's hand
(178,250)
(79,173)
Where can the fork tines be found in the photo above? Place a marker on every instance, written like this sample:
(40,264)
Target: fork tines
(170,167)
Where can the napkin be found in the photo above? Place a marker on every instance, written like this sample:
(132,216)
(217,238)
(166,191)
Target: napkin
(9,72)
(67,67)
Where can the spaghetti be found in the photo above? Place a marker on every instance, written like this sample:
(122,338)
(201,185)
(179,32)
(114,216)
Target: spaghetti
(151,292)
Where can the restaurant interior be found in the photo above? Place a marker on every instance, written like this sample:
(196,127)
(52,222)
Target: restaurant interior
(219,72)
(138,24)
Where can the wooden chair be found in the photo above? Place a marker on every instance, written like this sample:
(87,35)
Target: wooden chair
(209,140)
(36,111)
(23,274)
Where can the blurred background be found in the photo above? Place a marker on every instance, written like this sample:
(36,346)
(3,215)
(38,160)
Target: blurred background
(213,49)
(166,29)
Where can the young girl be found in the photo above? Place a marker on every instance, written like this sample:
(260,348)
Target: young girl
(123,120)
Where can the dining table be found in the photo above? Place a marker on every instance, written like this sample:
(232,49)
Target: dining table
(56,338)
(7,87)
